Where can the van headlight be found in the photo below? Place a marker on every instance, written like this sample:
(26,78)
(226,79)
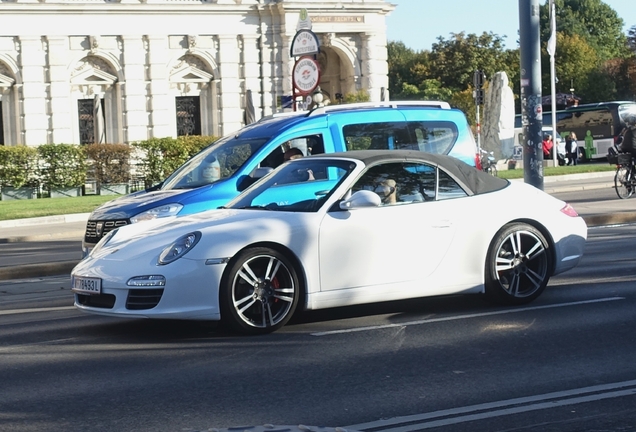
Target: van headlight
(179,248)
(157,212)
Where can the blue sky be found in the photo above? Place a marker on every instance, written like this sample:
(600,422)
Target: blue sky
(418,23)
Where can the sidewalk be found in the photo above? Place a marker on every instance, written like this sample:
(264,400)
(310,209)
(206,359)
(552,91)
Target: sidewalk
(71,227)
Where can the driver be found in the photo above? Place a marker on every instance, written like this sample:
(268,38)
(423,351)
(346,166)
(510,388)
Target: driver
(210,169)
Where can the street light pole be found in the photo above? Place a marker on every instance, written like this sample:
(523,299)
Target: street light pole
(531,110)
(552,52)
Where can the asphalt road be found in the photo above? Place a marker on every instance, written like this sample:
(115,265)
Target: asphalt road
(562,363)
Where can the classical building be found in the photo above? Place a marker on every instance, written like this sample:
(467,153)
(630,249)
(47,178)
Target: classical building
(118,71)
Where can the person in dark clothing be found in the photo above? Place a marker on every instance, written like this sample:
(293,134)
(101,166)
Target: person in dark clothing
(628,143)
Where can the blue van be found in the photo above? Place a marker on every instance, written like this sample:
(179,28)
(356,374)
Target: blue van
(222,170)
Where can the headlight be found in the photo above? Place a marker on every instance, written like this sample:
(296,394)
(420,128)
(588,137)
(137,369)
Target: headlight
(179,248)
(157,212)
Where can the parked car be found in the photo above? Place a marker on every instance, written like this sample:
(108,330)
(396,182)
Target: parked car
(242,157)
(364,227)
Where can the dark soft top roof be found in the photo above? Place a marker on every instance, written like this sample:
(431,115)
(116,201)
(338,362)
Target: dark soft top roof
(474,180)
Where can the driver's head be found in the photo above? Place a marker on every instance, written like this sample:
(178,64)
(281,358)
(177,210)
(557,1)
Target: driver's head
(293,153)
(387,189)
(210,169)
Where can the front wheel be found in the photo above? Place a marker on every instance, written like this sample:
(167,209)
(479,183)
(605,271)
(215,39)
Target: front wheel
(622,182)
(517,265)
(260,292)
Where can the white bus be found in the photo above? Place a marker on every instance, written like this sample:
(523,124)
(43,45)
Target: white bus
(597,126)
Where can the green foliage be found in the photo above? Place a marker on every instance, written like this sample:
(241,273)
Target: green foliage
(162,156)
(593,56)
(110,163)
(359,96)
(592,20)
(454,61)
(62,165)
(18,166)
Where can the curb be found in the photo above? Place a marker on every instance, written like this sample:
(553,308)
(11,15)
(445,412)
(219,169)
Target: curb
(76,235)
(37,270)
(73,217)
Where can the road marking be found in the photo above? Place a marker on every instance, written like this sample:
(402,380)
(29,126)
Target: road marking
(460,317)
(500,408)
(50,309)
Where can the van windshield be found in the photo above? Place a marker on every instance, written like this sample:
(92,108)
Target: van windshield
(218,161)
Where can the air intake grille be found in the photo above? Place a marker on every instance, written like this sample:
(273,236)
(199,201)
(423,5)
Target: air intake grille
(139,299)
(95,230)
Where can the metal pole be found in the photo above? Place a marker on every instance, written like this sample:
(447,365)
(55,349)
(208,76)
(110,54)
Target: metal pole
(552,52)
(531,111)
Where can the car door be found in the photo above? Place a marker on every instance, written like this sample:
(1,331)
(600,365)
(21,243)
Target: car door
(404,239)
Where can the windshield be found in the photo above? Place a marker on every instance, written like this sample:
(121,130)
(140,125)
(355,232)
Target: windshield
(301,185)
(217,161)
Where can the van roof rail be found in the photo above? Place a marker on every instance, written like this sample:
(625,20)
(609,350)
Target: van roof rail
(388,104)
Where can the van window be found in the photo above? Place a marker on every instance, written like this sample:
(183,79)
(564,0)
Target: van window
(428,136)
(229,154)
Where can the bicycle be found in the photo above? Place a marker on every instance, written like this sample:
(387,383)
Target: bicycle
(625,177)
(488,162)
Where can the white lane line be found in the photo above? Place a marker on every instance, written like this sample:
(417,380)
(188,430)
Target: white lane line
(21,311)
(460,317)
(500,408)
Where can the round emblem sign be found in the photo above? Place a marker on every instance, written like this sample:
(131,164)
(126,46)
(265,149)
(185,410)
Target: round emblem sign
(306,75)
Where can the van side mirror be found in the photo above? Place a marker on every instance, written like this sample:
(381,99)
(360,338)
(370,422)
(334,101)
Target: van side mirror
(246,181)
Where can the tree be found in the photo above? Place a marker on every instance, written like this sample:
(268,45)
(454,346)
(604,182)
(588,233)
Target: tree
(406,66)
(593,21)
(454,61)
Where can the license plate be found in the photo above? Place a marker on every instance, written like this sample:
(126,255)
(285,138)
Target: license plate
(86,285)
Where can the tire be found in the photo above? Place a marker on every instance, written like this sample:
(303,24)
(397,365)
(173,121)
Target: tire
(518,265)
(259,293)
(622,182)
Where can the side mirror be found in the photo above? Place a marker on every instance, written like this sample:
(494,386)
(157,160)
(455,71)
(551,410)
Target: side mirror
(246,181)
(361,199)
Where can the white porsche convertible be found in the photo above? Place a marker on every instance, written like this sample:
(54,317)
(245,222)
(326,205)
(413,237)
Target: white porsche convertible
(336,230)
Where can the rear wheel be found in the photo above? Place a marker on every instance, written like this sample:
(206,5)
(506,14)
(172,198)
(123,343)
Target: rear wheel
(517,265)
(260,292)
(623,182)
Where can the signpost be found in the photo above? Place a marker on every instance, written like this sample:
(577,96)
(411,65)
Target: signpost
(306,72)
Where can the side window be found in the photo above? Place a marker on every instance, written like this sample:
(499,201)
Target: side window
(399,183)
(434,136)
(378,136)
(448,188)
(428,136)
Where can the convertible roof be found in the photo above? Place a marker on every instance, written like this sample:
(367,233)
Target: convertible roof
(477,181)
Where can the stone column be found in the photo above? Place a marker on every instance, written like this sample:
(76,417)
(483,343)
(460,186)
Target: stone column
(134,89)
(60,90)
(252,71)
(374,65)
(159,87)
(231,112)
(32,62)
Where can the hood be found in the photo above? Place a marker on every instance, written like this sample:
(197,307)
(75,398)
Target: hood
(222,231)
(128,206)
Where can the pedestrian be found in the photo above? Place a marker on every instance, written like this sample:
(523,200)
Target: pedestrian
(572,149)
(547,146)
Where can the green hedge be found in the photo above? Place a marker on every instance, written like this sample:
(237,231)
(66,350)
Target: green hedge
(160,157)
(18,166)
(69,165)
(62,165)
